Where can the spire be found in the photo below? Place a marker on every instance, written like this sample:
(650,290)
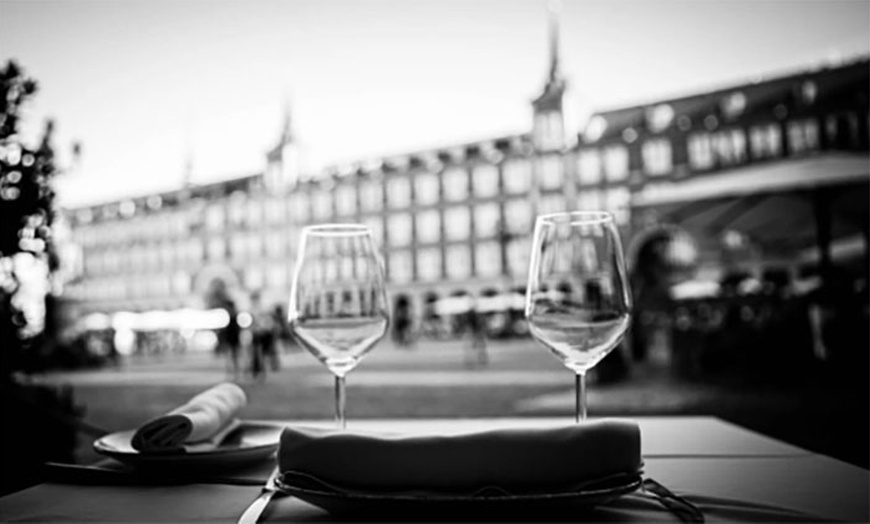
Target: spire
(188,149)
(187,169)
(554,9)
(551,97)
(287,125)
(549,122)
(282,160)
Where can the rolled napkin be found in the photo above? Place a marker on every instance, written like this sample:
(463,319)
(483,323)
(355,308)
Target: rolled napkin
(204,419)
(514,460)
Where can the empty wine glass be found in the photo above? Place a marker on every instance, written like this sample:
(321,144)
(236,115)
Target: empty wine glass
(577,301)
(338,304)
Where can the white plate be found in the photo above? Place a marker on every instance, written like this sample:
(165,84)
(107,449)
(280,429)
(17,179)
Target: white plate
(248,443)
(485,504)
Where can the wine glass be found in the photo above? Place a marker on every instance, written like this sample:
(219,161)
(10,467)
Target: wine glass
(577,301)
(338,303)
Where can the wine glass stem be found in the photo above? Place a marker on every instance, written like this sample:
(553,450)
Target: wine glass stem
(340,402)
(580,400)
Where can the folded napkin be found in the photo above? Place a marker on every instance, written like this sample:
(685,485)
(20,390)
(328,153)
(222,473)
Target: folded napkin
(514,460)
(204,419)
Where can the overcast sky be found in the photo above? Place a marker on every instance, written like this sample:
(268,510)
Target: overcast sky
(139,82)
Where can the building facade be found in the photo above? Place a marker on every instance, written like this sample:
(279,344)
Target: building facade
(459,219)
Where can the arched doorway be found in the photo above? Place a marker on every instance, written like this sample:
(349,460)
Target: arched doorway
(658,258)
(663,246)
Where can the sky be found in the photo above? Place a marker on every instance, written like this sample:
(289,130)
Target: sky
(145,85)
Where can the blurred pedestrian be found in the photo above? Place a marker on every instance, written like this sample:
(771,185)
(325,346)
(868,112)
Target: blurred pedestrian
(402,323)
(262,337)
(113,357)
(229,338)
(283,337)
(279,327)
(476,353)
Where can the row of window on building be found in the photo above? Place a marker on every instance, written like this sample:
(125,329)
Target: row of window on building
(117,288)
(431,189)
(237,211)
(175,284)
(240,247)
(427,226)
(458,262)
(487,220)
(729,147)
(610,163)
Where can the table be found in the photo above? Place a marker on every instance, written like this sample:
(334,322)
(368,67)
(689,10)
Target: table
(731,473)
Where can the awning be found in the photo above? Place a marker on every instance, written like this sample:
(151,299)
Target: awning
(454,305)
(785,207)
(498,303)
(155,320)
(488,304)
(787,175)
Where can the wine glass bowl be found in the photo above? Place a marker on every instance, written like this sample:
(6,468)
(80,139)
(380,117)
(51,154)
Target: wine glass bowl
(578,303)
(338,305)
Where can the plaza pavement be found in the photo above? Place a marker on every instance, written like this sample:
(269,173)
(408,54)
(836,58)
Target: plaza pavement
(512,364)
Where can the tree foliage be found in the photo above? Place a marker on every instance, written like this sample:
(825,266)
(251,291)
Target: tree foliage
(26,173)
(26,207)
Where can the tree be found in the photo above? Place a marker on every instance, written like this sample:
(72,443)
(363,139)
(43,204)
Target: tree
(26,207)
(45,417)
